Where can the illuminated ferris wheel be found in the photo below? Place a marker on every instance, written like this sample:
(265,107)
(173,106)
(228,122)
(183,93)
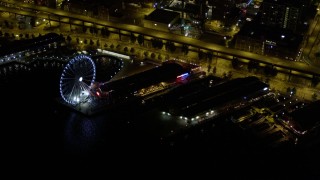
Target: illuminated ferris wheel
(76,78)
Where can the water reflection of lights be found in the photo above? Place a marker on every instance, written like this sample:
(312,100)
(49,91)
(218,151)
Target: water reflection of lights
(80,132)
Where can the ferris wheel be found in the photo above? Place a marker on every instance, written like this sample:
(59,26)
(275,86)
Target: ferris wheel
(76,79)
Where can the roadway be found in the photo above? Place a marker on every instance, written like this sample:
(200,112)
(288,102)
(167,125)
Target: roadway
(311,41)
(76,19)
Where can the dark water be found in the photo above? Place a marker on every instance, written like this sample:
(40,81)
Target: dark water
(35,128)
(28,117)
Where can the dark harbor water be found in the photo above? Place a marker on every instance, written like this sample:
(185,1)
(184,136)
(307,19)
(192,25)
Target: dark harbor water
(36,127)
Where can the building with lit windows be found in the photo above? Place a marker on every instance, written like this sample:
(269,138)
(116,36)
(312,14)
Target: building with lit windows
(269,41)
(278,29)
(286,14)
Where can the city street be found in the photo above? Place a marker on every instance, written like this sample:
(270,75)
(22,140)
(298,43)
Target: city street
(312,42)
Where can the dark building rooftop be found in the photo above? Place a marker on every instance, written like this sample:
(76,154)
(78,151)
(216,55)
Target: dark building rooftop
(217,95)
(307,117)
(162,16)
(166,72)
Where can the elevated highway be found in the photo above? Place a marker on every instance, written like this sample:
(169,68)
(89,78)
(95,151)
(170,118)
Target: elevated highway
(291,67)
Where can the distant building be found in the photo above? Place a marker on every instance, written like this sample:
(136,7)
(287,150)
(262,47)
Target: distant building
(161,19)
(286,14)
(93,8)
(193,10)
(278,29)
(224,11)
(40,2)
(52,3)
(48,3)
(78,7)
(264,40)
